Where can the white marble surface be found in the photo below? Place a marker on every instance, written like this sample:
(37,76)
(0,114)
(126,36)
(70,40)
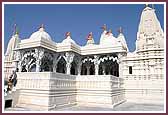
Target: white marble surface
(128,106)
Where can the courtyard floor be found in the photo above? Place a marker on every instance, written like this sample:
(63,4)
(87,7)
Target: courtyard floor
(127,106)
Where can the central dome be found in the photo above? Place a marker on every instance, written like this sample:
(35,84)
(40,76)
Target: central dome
(108,39)
(68,40)
(40,34)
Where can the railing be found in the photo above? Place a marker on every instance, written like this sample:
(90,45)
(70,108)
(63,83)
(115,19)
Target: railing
(100,89)
(49,90)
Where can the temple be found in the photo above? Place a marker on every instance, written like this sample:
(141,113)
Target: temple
(107,73)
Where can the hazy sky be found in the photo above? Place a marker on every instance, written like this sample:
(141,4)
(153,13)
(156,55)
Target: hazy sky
(78,19)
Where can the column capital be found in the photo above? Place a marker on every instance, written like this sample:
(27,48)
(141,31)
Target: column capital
(68,67)
(69,56)
(39,53)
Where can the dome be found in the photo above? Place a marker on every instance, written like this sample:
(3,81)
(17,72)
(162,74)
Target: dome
(90,39)
(40,34)
(122,40)
(108,40)
(68,40)
(13,43)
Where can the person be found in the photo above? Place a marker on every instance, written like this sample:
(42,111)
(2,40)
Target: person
(14,79)
(9,84)
(5,87)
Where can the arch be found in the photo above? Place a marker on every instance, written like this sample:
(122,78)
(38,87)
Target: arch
(33,68)
(24,68)
(83,69)
(28,62)
(100,70)
(46,64)
(61,66)
(92,69)
(73,70)
(116,69)
(109,66)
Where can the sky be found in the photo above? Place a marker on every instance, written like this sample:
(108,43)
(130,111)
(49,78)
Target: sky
(79,19)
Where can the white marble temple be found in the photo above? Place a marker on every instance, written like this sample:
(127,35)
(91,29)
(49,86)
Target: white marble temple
(53,75)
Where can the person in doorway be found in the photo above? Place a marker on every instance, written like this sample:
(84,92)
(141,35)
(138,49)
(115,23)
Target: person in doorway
(14,80)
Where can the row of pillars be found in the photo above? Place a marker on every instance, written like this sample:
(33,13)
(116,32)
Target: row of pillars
(69,59)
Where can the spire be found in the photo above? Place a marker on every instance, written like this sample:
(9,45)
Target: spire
(17,31)
(153,6)
(149,25)
(14,29)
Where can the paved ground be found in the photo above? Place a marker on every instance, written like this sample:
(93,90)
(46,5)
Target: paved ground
(127,106)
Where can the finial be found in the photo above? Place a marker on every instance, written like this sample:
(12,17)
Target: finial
(110,30)
(90,36)
(41,27)
(153,6)
(120,30)
(104,27)
(14,29)
(147,5)
(67,34)
(17,31)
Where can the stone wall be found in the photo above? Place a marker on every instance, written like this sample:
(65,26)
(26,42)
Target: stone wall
(103,90)
(144,89)
(45,90)
(50,91)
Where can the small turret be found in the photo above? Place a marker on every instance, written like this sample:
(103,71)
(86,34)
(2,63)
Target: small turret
(150,33)
(68,34)
(68,39)
(90,39)
(121,39)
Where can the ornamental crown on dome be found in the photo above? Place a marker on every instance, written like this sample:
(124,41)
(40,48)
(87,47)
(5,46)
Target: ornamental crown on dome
(15,30)
(68,39)
(90,36)
(104,27)
(109,32)
(120,30)
(67,34)
(40,34)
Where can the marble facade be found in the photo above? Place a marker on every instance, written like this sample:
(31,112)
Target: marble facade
(60,74)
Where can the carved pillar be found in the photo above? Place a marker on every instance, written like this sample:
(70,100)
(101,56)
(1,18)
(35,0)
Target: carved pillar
(120,64)
(19,66)
(96,63)
(68,67)
(88,69)
(55,61)
(79,67)
(103,67)
(18,60)
(68,58)
(37,65)
(39,53)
